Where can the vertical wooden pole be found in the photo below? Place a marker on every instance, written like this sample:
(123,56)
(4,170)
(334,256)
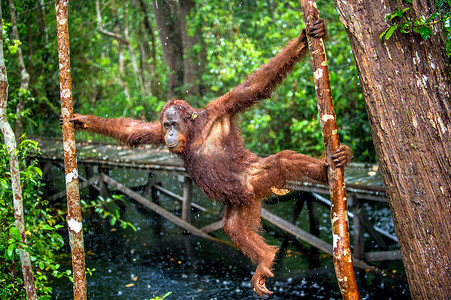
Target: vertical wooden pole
(359,242)
(186,205)
(339,213)
(74,218)
(103,188)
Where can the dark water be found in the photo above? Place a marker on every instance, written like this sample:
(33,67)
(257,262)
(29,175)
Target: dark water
(159,258)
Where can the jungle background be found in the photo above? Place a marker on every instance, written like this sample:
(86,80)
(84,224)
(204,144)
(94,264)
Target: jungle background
(233,38)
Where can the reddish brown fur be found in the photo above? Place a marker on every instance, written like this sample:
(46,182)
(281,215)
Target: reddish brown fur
(214,155)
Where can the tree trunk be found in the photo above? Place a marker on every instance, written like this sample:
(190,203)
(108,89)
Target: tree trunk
(74,218)
(344,269)
(10,142)
(24,76)
(138,78)
(191,61)
(149,51)
(171,41)
(407,95)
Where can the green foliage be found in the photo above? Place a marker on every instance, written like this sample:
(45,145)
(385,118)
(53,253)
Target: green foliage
(99,207)
(41,228)
(14,98)
(444,7)
(241,36)
(235,38)
(422,25)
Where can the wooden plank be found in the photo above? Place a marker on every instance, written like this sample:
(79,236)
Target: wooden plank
(157,209)
(213,226)
(324,201)
(163,168)
(168,193)
(177,197)
(297,232)
(383,255)
(305,236)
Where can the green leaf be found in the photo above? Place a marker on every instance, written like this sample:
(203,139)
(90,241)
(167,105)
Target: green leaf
(47,227)
(58,238)
(390,31)
(14,232)
(425,32)
(41,265)
(9,253)
(133,227)
(38,170)
(381,37)
(395,14)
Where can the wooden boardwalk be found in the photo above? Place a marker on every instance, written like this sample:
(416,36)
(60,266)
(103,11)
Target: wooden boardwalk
(363,183)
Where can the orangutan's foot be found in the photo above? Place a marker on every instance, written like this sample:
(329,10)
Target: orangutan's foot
(258,280)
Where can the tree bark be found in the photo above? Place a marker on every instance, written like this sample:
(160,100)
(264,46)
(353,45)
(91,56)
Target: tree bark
(407,94)
(74,217)
(149,51)
(191,61)
(344,268)
(10,142)
(166,16)
(24,76)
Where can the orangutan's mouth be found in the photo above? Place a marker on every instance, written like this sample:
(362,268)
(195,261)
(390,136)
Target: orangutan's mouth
(173,145)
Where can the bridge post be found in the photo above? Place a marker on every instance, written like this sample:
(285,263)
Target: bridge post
(186,204)
(359,240)
(102,186)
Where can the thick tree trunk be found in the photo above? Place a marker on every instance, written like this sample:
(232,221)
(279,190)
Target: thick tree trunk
(407,94)
(166,15)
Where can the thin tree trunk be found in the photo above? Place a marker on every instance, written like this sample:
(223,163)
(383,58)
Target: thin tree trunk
(155,85)
(191,62)
(171,42)
(339,210)
(121,74)
(74,217)
(24,76)
(10,142)
(407,94)
(138,78)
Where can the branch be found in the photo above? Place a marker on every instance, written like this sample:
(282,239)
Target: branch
(339,213)
(104,31)
(74,218)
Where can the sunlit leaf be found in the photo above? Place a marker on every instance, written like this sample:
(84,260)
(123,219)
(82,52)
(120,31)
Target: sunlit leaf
(390,31)
(38,170)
